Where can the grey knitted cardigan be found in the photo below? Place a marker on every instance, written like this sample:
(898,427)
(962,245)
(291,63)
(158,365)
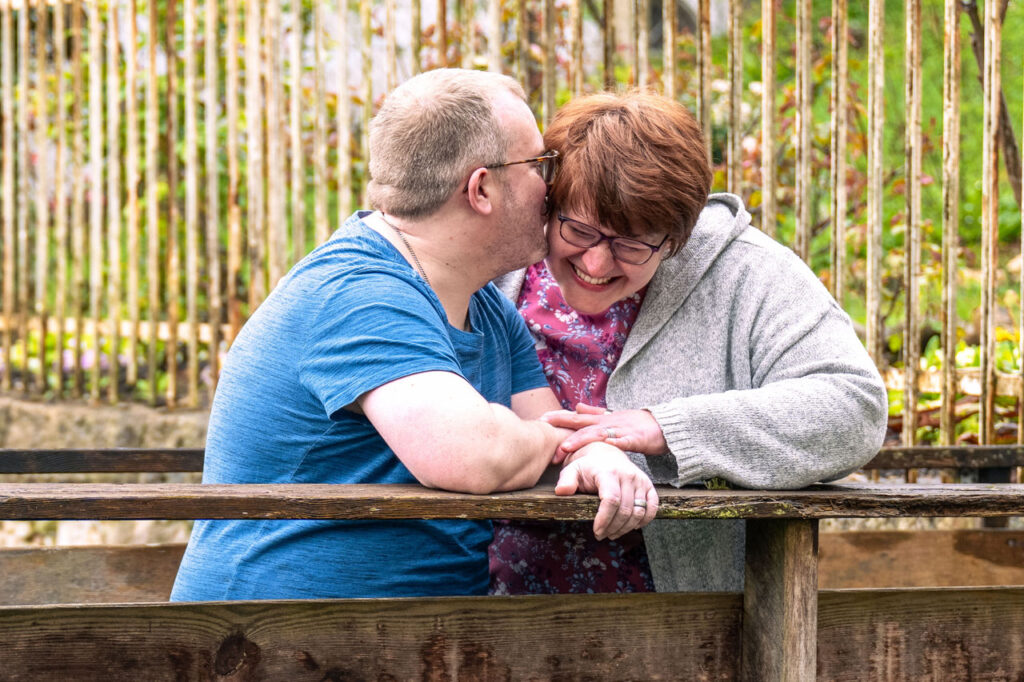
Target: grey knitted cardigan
(754,374)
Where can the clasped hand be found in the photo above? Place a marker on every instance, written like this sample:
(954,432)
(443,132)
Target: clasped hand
(628,498)
(632,430)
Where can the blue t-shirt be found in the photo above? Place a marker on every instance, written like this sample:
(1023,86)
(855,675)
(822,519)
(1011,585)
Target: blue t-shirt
(348,318)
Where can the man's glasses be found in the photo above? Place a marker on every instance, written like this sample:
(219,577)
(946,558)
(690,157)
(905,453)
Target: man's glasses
(546,164)
(632,251)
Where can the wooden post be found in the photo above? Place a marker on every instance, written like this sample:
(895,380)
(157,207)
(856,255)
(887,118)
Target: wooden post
(780,600)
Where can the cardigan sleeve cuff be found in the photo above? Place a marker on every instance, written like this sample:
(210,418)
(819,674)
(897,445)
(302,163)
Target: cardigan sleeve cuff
(683,463)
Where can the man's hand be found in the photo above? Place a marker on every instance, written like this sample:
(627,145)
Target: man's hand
(628,498)
(633,430)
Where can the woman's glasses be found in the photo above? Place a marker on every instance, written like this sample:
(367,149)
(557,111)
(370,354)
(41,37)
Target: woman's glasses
(632,251)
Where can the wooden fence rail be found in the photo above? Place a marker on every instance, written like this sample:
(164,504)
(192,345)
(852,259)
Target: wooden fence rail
(153,188)
(780,628)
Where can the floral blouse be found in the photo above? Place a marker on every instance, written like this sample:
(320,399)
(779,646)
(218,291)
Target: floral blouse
(578,353)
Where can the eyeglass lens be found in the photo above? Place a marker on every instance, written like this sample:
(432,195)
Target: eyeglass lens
(623,249)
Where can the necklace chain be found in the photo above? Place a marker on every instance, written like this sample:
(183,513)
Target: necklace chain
(415,259)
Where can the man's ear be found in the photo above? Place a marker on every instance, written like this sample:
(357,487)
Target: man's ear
(480,191)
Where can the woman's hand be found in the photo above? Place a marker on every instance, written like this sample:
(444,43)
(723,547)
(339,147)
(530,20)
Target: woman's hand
(628,498)
(633,430)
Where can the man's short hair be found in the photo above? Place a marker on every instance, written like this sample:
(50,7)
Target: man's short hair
(430,132)
(635,159)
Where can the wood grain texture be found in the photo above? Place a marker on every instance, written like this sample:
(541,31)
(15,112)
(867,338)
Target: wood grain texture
(329,501)
(939,457)
(780,601)
(937,634)
(88,574)
(607,637)
(929,558)
(109,460)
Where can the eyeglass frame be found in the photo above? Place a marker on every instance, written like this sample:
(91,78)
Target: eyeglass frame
(550,155)
(601,236)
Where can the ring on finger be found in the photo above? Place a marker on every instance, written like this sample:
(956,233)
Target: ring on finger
(642,504)
(610,433)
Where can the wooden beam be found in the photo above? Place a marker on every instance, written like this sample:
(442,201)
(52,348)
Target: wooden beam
(110,460)
(924,558)
(780,601)
(607,637)
(331,501)
(952,457)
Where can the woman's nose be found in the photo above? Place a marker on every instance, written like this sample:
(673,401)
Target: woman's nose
(598,259)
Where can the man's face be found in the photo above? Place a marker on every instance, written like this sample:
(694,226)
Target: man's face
(519,211)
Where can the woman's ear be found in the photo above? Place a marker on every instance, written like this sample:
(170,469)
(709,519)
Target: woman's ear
(479,191)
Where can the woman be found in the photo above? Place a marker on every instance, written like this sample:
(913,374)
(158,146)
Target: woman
(715,350)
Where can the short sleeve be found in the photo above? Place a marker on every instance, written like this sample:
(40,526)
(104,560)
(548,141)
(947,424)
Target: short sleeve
(373,327)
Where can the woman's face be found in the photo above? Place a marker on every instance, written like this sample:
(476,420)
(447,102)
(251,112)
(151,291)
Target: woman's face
(591,279)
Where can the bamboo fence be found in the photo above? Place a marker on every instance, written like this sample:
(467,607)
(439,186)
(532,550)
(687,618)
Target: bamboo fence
(155,187)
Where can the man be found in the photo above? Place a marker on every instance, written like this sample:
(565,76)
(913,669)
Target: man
(385,357)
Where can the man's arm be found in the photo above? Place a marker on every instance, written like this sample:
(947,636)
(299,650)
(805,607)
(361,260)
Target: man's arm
(449,437)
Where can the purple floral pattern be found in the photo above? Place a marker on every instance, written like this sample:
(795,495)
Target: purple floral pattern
(578,353)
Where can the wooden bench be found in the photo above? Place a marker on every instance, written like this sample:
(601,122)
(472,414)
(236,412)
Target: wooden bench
(781,627)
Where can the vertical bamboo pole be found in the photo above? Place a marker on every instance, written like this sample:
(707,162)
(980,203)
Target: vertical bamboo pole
(78,230)
(576,64)
(704,71)
(7,195)
(132,173)
(769,207)
(277,237)
(876,120)
(734,167)
(22,191)
(669,40)
(989,217)
(912,242)
(214,286)
(367,28)
(319,133)
(234,209)
(494,35)
(642,43)
(152,202)
(298,167)
(522,44)
(803,129)
(191,204)
(113,198)
(60,197)
(548,38)
(391,44)
(417,32)
(254,154)
(1020,340)
(608,33)
(465,10)
(839,122)
(950,213)
(95,190)
(343,111)
(442,29)
(43,185)
(173,256)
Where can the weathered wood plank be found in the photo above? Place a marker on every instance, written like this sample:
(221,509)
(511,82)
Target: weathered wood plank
(88,574)
(112,460)
(940,457)
(929,558)
(327,501)
(780,607)
(921,635)
(648,636)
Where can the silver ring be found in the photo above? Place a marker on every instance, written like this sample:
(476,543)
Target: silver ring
(610,433)
(640,503)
